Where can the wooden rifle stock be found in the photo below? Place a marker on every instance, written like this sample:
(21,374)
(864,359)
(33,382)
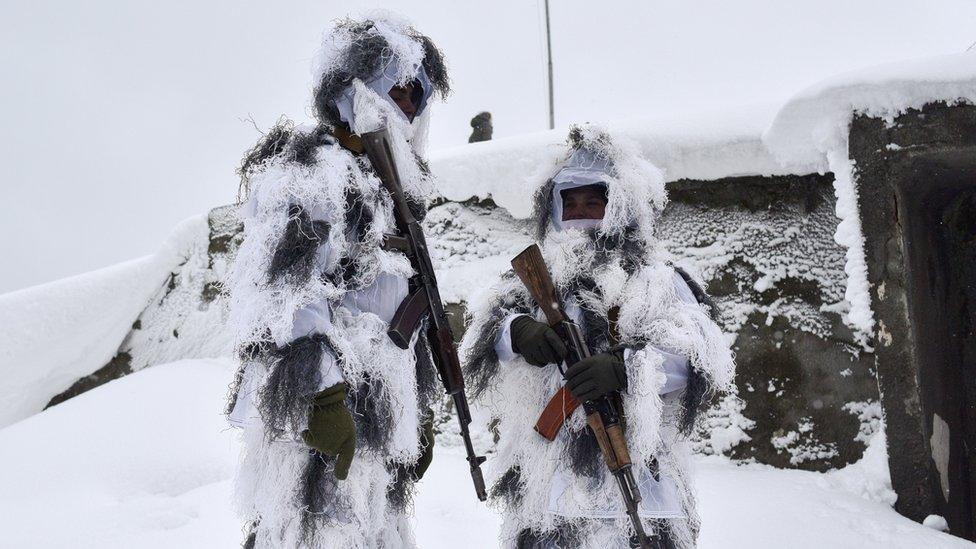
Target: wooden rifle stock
(602,415)
(531,269)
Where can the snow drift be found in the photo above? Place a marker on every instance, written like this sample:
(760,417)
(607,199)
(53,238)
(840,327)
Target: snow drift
(56,333)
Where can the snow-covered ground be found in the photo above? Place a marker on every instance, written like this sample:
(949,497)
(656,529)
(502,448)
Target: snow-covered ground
(146,461)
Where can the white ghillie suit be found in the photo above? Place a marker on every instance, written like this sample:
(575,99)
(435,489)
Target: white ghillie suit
(560,493)
(313,292)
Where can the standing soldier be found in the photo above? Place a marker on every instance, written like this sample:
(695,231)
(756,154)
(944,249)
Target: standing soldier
(656,353)
(336,417)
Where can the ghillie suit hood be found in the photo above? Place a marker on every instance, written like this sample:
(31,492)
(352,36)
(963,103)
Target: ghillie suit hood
(312,290)
(554,492)
(358,64)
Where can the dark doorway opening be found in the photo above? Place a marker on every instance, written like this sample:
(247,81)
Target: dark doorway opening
(936,196)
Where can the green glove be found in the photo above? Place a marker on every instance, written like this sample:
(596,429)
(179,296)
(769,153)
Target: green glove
(331,429)
(536,342)
(597,375)
(426,448)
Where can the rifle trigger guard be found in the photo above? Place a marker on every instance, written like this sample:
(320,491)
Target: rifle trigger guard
(393,242)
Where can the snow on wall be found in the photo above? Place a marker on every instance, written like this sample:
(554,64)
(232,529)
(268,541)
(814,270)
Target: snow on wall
(807,135)
(815,121)
(813,127)
(187,316)
(55,333)
(710,147)
(770,245)
(470,245)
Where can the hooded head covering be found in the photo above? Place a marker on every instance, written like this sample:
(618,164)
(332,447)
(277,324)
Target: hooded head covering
(360,61)
(634,188)
(584,168)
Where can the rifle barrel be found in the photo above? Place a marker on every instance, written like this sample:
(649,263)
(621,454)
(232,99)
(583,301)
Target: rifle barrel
(441,340)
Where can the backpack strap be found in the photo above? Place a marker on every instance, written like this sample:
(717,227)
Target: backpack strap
(700,295)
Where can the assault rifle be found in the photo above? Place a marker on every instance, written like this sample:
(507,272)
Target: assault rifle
(602,414)
(424,299)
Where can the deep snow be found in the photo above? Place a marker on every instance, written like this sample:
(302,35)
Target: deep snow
(146,461)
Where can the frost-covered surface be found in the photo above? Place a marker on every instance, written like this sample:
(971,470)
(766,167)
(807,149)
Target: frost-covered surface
(812,130)
(55,333)
(472,244)
(869,415)
(760,250)
(801,446)
(146,461)
(186,317)
(723,427)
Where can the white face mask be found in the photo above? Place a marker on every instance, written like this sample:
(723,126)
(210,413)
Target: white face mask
(580,224)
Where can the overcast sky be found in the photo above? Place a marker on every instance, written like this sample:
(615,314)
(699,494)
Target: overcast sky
(121,118)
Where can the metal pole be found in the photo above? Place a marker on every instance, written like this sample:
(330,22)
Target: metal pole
(552,115)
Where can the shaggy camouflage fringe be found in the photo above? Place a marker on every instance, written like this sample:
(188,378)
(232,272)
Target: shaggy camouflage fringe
(565,536)
(481,363)
(295,254)
(509,487)
(318,490)
(293,379)
(696,399)
(281,139)
(427,381)
(362,60)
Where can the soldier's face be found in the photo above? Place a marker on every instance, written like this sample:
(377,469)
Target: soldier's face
(403,97)
(584,203)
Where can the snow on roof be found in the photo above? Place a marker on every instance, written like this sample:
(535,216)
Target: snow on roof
(706,147)
(807,135)
(757,140)
(812,122)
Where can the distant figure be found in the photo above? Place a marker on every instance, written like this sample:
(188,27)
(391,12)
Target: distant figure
(481,127)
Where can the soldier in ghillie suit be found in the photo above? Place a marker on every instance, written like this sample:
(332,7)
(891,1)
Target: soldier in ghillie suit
(653,341)
(336,418)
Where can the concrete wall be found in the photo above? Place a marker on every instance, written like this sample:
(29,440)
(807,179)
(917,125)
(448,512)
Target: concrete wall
(916,179)
(765,247)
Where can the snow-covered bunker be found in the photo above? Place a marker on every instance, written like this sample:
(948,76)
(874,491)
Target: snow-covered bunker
(839,242)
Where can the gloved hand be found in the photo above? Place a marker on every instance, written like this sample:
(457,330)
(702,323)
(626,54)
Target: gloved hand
(597,375)
(536,342)
(331,429)
(426,448)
